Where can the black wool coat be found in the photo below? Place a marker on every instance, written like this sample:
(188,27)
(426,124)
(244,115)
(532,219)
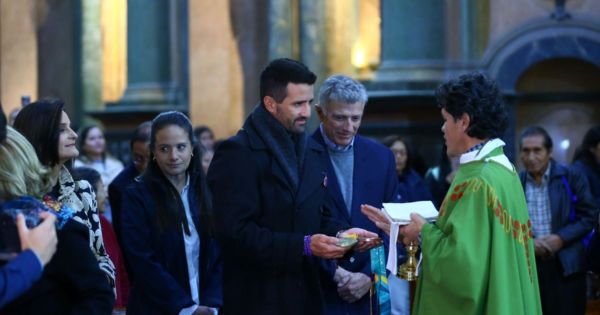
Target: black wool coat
(261,222)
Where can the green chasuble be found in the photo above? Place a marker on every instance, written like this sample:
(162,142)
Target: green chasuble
(478,258)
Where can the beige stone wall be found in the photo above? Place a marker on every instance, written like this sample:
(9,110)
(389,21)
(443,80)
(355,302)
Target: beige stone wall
(353,37)
(113,21)
(507,15)
(18,51)
(215,82)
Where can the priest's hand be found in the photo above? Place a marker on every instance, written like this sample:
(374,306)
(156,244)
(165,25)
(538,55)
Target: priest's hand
(326,246)
(351,285)
(413,229)
(366,239)
(377,216)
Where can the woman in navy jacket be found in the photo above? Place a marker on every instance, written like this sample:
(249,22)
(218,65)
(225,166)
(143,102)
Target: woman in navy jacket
(166,228)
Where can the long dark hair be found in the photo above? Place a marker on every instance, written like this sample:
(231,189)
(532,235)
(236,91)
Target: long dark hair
(169,207)
(83,134)
(39,122)
(389,142)
(590,141)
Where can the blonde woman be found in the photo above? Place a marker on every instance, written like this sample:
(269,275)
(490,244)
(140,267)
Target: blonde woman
(72,282)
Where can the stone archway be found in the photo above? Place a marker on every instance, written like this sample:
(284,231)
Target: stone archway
(509,58)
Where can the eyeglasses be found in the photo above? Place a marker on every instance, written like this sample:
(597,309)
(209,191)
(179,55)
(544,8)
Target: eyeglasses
(138,159)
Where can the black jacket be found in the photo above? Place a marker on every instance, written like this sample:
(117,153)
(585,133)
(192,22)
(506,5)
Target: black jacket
(261,223)
(572,255)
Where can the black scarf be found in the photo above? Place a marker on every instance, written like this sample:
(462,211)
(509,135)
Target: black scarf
(287,147)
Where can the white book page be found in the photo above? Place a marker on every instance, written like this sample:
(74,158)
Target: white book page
(400,212)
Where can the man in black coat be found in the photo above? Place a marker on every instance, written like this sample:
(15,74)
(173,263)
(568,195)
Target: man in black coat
(269,194)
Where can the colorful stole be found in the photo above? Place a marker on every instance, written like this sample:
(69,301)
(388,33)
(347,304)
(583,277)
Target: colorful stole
(382,290)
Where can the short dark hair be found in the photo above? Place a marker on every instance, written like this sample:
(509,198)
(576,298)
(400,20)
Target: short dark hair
(141,133)
(39,122)
(479,97)
(536,131)
(276,76)
(590,141)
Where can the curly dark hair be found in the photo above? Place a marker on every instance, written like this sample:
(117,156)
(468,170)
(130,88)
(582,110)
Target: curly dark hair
(477,96)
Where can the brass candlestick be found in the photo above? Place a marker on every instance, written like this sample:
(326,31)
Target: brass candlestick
(408,270)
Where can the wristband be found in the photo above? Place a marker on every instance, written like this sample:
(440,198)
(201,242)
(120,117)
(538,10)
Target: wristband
(307,251)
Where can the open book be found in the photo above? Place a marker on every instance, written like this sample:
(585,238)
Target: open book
(400,212)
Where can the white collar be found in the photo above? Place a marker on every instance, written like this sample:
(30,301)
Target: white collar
(482,153)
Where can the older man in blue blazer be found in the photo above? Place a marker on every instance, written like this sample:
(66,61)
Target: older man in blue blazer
(360,171)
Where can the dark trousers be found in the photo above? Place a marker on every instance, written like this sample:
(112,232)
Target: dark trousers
(560,295)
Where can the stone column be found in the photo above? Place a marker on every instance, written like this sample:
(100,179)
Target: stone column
(283,29)
(18,52)
(91,56)
(215,69)
(313,45)
(412,40)
(156,54)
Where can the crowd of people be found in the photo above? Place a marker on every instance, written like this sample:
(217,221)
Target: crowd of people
(277,220)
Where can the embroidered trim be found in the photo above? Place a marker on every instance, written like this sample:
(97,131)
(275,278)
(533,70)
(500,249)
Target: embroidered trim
(520,231)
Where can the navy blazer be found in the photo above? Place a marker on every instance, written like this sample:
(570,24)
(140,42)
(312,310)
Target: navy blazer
(261,223)
(572,255)
(158,260)
(374,182)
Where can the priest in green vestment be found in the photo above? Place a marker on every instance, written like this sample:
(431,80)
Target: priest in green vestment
(478,258)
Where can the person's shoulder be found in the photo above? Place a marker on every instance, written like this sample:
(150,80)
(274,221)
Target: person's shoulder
(370,144)
(78,162)
(137,186)
(413,176)
(372,148)
(112,162)
(579,164)
(236,142)
(125,177)
(72,228)
(82,186)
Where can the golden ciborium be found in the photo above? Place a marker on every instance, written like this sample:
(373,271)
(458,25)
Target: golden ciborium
(408,270)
